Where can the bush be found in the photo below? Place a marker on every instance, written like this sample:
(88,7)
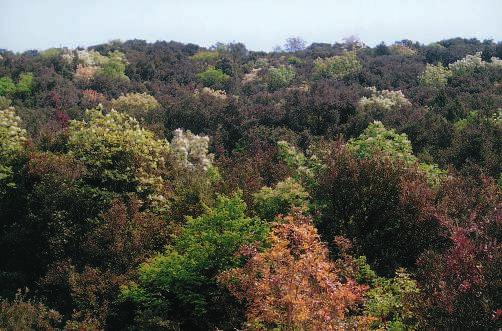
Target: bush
(391,301)
(12,142)
(376,140)
(25,83)
(467,65)
(206,56)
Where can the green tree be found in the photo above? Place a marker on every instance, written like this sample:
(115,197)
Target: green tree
(7,86)
(376,139)
(337,67)
(113,69)
(25,83)
(120,155)
(287,194)
(435,76)
(388,300)
(135,104)
(213,77)
(304,168)
(280,77)
(180,285)
(12,142)
(206,56)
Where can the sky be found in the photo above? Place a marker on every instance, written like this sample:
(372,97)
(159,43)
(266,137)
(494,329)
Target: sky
(259,24)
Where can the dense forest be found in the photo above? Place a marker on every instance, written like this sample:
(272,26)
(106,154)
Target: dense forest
(167,186)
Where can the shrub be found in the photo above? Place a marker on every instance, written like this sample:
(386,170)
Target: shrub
(92,62)
(85,73)
(25,83)
(191,150)
(377,140)
(391,302)
(91,99)
(113,69)
(467,65)
(402,50)
(303,168)
(293,60)
(51,53)
(460,282)
(206,56)
(23,314)
(90,58)
(4,102)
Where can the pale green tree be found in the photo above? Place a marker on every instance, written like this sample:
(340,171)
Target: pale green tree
(378,140)
(12,142)
(281,199)
(119,154)
(337,67)
(435,76)
(135,104)
(280,77)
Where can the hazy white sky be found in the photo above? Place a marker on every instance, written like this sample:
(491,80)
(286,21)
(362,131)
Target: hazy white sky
(260,24)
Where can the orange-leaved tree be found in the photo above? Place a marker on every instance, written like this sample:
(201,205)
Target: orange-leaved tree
(293,285)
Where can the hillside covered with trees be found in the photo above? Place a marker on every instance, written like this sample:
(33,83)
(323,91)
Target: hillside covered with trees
(166,186)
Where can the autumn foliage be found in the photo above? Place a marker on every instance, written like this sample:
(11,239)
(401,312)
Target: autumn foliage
(293,285)
(169,186)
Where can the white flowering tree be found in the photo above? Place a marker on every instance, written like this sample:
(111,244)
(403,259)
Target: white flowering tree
(384,100)
(471,63)
(191,150)
(92,62)
(467,65)
(12,142)
(435,76)
(120,155)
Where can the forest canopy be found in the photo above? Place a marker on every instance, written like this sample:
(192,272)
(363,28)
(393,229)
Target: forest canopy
(168,186)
